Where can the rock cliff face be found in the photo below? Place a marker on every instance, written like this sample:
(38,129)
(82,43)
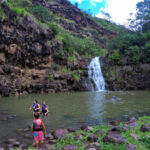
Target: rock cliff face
(126,77)
(79,23)
(27,59)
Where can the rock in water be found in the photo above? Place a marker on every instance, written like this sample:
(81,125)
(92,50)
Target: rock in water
(114,123)
(49,136)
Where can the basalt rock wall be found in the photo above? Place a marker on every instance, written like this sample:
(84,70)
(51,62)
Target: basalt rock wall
(126,77)
(27,59)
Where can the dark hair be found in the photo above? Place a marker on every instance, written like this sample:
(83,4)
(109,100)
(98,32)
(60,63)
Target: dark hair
(35,100)
(36,115)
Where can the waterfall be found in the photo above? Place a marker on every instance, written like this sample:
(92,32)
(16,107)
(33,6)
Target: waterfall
(95,76)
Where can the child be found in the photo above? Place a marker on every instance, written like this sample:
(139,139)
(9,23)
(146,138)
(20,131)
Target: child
(35,106)
(45,109)
(37,128)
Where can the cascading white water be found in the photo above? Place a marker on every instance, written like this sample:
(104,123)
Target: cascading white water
(95,75)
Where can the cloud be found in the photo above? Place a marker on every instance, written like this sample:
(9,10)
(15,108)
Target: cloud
(119,10)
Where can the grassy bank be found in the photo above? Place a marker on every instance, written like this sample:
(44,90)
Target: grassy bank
(133,134)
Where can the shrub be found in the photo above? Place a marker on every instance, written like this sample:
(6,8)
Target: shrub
(72,59)
(85,47)
(41,13)
(65,70)
(20,11)
(2,12)
(54,29)
(60,55)
(115,57)
(76,76)
(25,4)
(50,77)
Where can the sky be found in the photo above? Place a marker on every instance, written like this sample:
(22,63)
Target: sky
(119,10)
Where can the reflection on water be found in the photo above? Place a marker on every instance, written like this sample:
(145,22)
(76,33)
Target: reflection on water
(71,109)
(96,104)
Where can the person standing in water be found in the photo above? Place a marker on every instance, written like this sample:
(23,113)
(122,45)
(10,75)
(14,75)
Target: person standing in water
(38,127)
(36,106)
(45,109)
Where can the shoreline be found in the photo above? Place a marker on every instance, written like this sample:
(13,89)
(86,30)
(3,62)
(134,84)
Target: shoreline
(113,134)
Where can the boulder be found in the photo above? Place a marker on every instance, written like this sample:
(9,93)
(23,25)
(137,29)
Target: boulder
(89,129)
(49,136)
(93,146)
(23,146)
(27,129)
(72,130)
(145,128)
(83,127)
(132,120)
(9,146)
(131,125)
(93,138)
(135,136)
(114,137)
(13,142)
(52,141)
(28,135)
(69,147)
(78,137)
(114,123)
(99,132)
(118,129)
(60,133)
(131,147)
(4,90)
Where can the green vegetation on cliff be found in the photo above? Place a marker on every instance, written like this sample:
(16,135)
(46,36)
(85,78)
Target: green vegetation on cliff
(88,41)
(86,47)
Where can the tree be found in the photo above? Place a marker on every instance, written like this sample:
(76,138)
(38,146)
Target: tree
(142,15)
(76,4)
(143,11)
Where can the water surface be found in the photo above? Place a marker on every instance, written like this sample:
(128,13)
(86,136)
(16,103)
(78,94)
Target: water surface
(71,109)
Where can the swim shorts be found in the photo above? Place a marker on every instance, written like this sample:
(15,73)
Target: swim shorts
(38,135)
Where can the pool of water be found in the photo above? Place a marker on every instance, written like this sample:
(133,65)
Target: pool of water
(71,109)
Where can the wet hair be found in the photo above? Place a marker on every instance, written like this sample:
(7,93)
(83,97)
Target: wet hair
(36,115)
(35,100)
